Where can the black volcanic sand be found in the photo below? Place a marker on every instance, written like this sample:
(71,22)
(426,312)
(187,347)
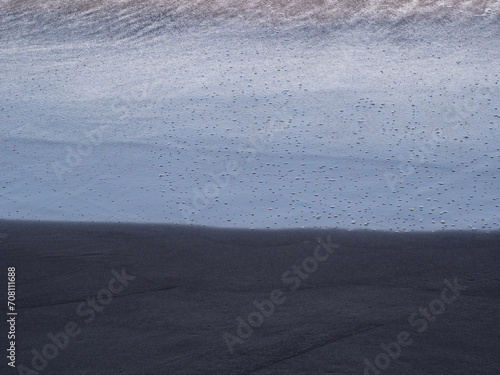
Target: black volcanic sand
(191,285)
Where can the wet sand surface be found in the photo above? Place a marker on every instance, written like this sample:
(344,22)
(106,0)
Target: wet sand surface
(157,299)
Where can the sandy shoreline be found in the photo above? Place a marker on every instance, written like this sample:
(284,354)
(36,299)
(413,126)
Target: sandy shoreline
(376,115)
(179,295)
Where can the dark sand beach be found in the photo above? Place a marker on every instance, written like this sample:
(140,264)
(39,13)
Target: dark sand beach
(378,117)
(158,299)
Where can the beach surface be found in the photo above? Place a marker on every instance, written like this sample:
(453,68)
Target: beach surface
(152,299)
(249,187)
